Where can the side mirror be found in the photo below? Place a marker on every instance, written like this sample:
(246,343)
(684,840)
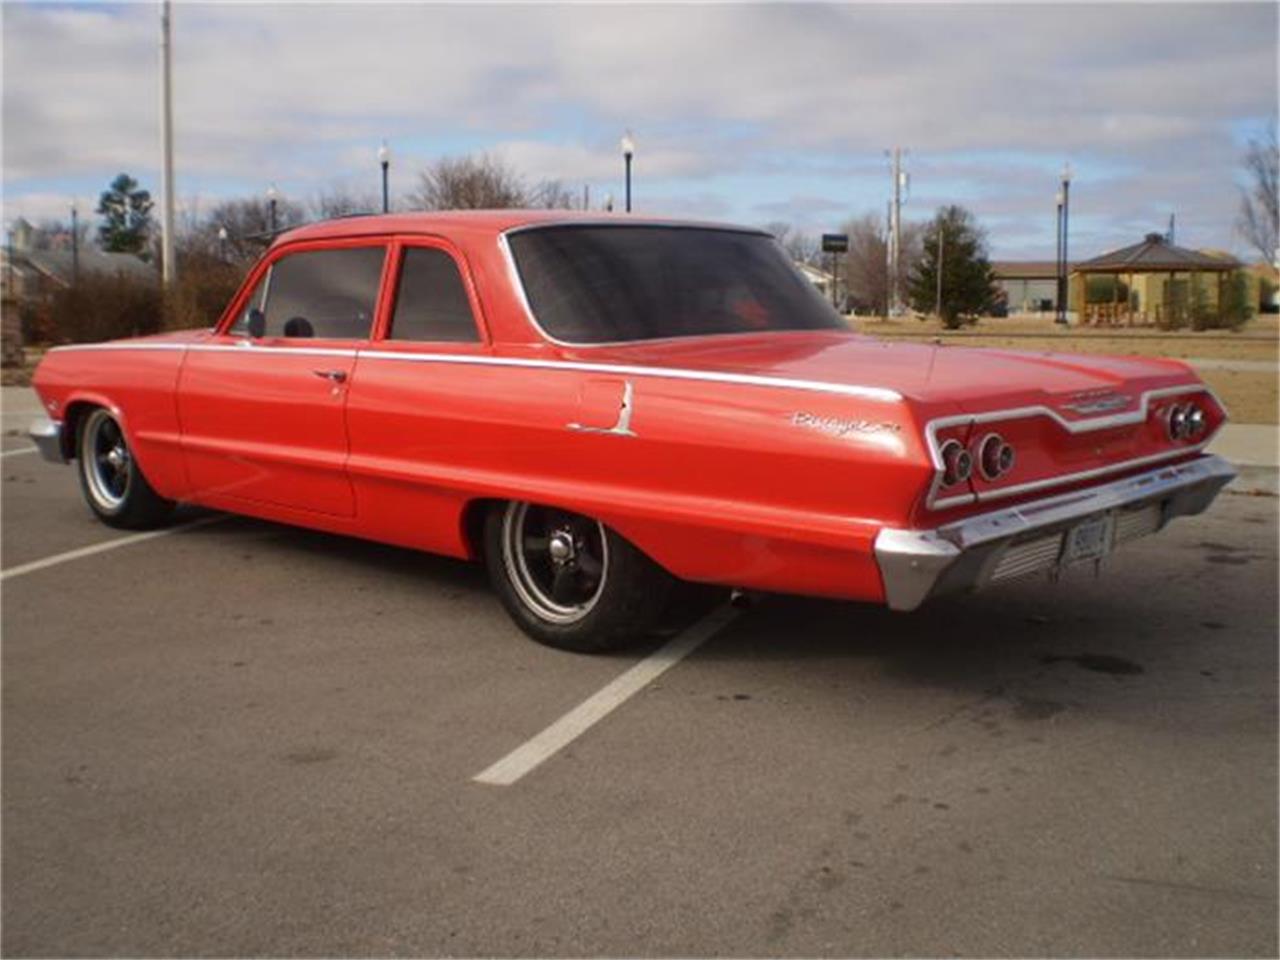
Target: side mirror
(257,323)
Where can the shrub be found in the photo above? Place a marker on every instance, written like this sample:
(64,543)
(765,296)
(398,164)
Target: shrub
(205,286)
(104,306)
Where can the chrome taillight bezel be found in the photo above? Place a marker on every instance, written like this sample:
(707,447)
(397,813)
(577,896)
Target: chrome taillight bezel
(995,457)
(1185,421)
(957,463)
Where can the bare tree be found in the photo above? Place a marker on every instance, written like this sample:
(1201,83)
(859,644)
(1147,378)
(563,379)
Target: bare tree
(469,183)
(554,195)
(866,265)
(338,201)
(800,246)
(1259,219)
(247,221)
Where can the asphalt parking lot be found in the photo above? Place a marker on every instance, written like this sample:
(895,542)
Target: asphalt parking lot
(243,739)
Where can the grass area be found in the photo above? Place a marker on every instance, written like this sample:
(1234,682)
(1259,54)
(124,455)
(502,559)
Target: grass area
(1250,397)
(1258,340)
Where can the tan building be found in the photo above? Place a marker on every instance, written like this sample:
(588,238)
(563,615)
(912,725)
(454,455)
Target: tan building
(1029,286)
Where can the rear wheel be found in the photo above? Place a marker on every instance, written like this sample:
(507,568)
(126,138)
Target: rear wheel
(112,483)
(569,581)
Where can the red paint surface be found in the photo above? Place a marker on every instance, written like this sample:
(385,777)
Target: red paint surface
(722,482)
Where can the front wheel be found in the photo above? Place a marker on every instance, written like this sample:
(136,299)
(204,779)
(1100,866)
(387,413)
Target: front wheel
(569,581)
(110,479)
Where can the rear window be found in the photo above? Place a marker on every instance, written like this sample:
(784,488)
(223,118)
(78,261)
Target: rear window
(601,284)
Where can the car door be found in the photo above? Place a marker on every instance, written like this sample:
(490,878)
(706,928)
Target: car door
(421,409)
(263,416)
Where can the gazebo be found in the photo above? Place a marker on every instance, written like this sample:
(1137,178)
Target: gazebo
(1152,282)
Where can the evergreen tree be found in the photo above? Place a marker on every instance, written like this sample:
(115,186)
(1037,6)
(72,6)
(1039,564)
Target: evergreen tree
(968,284)
(126,213)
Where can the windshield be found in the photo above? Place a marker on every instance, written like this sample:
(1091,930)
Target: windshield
(602,284)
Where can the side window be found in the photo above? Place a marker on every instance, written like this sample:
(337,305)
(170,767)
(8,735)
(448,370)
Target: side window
(329,294)
(431,303)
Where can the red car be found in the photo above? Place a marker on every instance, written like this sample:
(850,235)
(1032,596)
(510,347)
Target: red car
(607,409)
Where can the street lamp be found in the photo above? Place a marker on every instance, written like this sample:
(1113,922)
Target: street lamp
(384,158)
(1057,262)
(1064,275)
(222,243)
(628,151)
(75,244)
(272,196)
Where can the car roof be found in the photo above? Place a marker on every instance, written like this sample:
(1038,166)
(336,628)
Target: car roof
(490,221)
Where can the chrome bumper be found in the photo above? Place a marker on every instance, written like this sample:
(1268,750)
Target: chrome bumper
(1029,538)
(47,436)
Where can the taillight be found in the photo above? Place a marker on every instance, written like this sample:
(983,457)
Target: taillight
(995,457)
(957,463)
(1196,421)
(1186,421)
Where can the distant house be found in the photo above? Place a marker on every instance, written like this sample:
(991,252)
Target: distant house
(1029,286)
(820,278)
(29,274)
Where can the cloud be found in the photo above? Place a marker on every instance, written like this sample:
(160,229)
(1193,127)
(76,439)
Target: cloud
(744,105)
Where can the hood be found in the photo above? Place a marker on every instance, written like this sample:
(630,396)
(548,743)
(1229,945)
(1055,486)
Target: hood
(971,379)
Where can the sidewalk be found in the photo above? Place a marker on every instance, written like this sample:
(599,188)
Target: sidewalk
(1249,444)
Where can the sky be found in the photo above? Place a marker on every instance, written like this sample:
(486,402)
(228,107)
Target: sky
(743,113)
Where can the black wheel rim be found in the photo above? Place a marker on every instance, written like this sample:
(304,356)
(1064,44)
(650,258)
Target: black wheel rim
(557,561)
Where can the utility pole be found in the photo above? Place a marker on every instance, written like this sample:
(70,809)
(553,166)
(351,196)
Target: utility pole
(1169,238)
(75,245)
(895,235)
(888,257)
(169,267)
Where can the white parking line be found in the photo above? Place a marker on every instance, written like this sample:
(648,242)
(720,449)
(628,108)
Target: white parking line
(96,548)
(591,711)
(18,452)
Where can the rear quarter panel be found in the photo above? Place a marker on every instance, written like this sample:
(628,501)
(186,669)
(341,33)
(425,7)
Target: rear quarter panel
(752,486)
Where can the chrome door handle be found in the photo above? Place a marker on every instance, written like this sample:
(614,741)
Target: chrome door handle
(337,376)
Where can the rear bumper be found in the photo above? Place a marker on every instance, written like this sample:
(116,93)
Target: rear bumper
(46,434)
(1029,538)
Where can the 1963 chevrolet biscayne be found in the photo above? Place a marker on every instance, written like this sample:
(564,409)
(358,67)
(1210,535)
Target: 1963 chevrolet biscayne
(602,408)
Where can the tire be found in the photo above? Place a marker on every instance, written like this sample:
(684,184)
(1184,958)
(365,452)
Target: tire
(569,581)
(110,478)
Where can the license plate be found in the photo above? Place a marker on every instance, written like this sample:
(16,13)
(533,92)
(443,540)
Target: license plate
(1090,540)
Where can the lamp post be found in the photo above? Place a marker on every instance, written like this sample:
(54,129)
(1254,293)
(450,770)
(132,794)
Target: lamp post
(222,244)
(75,244)
(1057,261)
(272,196)
(1064,281)
(384,158)
(628,151)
